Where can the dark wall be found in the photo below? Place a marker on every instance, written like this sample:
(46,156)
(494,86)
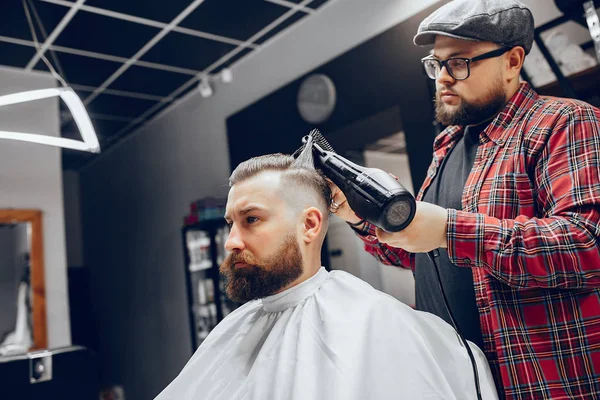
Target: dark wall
(373,81)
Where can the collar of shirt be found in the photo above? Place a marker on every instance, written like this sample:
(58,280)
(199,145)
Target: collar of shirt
(497,130)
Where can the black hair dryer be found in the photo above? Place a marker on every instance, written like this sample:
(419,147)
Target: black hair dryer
(373,194)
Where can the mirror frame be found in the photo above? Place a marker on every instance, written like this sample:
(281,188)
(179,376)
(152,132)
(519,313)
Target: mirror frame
(38,286)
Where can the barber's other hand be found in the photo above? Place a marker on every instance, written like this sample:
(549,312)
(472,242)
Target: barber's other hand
(426,232)
(340,206)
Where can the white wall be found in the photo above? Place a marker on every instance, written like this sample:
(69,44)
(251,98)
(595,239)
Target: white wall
(134,196)
(31,177)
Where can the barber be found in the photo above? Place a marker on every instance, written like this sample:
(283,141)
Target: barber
(512,202)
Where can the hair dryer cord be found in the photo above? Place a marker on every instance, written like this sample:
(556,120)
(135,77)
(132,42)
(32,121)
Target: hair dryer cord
(432,256)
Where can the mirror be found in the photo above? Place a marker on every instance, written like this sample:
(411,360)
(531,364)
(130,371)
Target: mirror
(22,289)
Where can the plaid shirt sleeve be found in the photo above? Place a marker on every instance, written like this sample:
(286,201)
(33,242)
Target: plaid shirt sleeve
(382,252)
(560,249)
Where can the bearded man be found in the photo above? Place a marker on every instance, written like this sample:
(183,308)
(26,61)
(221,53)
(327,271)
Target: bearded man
(306,333)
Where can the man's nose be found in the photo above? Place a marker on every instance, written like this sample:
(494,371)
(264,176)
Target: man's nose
(444,78)
(234,240)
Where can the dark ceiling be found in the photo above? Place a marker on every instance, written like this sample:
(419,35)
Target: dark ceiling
(129,59)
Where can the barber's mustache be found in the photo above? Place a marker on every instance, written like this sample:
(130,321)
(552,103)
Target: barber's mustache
(441,90)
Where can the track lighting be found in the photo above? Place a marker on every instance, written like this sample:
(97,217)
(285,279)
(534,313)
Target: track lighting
(226,75)
(205,88)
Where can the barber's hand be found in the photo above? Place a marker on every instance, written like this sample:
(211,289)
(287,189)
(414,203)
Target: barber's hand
(426,232)
(340,206)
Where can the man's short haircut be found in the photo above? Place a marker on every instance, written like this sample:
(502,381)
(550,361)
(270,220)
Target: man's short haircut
(294,177)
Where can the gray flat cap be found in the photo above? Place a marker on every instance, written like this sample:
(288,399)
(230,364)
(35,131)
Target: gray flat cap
(506,22)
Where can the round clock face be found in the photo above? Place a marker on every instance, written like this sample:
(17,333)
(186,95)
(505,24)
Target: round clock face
(316,98)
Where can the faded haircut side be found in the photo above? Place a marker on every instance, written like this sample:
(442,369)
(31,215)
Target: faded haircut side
(293,175)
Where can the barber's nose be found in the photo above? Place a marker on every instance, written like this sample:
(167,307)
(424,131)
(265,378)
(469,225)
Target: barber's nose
(234,240)
(444,78)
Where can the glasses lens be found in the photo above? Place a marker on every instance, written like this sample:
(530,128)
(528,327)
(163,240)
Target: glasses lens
(432,68)
(459,69)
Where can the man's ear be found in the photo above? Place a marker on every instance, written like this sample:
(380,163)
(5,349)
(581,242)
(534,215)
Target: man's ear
(515,59)
(312,224)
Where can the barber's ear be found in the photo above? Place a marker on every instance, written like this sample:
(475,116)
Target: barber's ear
(312,224)
(515,58)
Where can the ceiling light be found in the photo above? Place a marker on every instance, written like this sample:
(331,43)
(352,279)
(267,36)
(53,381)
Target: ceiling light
(205,88)
(226,75)
(73,102)
(80,116)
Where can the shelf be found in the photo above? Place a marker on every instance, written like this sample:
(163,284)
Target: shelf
(201,266)
(585,83)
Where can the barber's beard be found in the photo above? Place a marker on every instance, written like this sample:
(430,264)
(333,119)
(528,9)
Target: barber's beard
(471,113)
(263,277)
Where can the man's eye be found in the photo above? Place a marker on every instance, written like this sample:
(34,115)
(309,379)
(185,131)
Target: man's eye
(251,220)
(229,224)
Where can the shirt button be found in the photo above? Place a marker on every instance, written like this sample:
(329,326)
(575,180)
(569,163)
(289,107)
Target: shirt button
(467,261)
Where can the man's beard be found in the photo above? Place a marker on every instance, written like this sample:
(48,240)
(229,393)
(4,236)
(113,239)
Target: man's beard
(471,113)
(262,278)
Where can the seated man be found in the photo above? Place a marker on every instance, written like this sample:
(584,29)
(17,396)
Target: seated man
(305,333)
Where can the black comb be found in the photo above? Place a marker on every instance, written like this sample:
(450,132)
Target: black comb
(318,139)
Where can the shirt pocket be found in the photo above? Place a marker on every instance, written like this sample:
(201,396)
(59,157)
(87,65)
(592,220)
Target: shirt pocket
(507,196)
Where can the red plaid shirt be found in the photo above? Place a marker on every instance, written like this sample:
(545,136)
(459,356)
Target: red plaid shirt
(529,231)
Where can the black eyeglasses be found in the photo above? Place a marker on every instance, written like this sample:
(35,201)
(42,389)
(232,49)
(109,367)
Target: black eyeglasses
(458,67)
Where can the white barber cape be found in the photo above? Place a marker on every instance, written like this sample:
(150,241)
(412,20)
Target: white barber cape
(331,337)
